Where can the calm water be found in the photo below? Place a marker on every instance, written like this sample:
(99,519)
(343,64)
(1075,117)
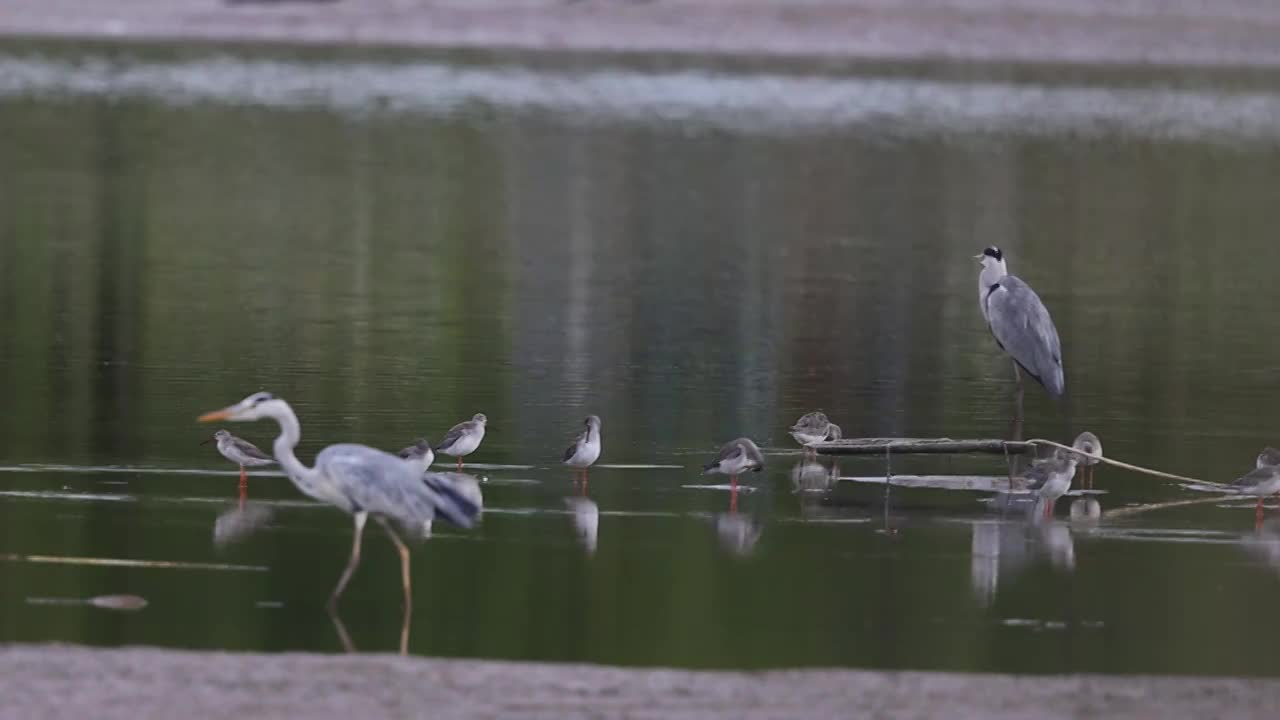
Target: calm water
(396,244)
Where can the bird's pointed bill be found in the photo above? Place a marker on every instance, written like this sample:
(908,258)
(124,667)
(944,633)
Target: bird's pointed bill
(216,415)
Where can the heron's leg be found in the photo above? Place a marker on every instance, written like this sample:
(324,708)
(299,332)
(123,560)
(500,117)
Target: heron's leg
(404,574)
(244,479)
(359,519)
(459,462)
(733,493)
(343,636)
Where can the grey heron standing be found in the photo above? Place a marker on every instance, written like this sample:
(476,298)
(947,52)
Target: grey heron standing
(1020,324)
(358,480)
(585,449)
(735,457)
(463,438)
(241,452)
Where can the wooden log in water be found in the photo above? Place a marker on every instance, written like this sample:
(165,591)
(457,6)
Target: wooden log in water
(916,446)
(974,483)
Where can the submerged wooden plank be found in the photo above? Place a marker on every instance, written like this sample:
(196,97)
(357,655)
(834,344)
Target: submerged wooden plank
(914,446)
(974,483)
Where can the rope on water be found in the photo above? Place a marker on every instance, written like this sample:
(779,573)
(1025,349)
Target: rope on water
(1127,466)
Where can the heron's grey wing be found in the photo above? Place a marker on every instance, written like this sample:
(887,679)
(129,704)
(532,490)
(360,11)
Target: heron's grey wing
(452,436)
(248,449)
(1021,324)
(383,484)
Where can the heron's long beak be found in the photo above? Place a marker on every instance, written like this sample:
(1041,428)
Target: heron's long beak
(207,441)
(216,415)
(978,257)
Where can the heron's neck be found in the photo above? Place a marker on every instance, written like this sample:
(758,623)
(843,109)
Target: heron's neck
(991,274)
(593,434)
(290,434)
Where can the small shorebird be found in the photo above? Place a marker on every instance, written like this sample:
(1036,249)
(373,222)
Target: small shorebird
(1262,481)
(1087,442)
(358,480)
(463,438)
(419,452)
(585,449)
(1268,456)
(814,427)
(241,452)
(1020,323)
(1050,478)
(736,457)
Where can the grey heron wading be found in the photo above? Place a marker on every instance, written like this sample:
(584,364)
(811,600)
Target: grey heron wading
(358,480)
(1020,323)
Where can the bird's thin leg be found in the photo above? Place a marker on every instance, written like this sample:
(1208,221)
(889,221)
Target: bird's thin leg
(459,463)
(359,519)
(404,574)
(1258,513)
(343,636)
(733,495)
(1017,403)
(244,479)
(584,482)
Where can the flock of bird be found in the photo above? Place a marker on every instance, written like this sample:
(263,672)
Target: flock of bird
(400,490)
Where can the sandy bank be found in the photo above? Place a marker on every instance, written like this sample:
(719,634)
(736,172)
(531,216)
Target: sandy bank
(1182,32)
(59,682)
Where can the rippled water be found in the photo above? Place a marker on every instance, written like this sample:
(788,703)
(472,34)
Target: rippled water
(394,245)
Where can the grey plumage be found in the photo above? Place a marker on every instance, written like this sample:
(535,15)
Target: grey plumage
(1020,322)
(736,456)
(1268,456)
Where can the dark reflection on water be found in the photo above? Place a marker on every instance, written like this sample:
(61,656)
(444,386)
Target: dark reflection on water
(390,273)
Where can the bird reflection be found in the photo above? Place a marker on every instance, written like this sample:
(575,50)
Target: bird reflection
(811,481)
(1263,544)
(1001,550)
(1085,510)
(344,637)
(586,521)
(738,533)
(240,522)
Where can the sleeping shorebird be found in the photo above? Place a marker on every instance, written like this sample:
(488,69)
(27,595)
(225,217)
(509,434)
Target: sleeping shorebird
(814,427)
(585,449)
(463,438)
(241,452)
(1087,442)
(419,453)
(736,457)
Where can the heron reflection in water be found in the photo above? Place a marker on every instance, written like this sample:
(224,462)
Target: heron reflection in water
(586,521)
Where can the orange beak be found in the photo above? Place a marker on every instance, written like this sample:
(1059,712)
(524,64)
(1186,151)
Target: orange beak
(215,416)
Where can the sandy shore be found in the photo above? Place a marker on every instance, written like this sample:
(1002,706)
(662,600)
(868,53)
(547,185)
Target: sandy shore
(59,682)
(1181,32)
